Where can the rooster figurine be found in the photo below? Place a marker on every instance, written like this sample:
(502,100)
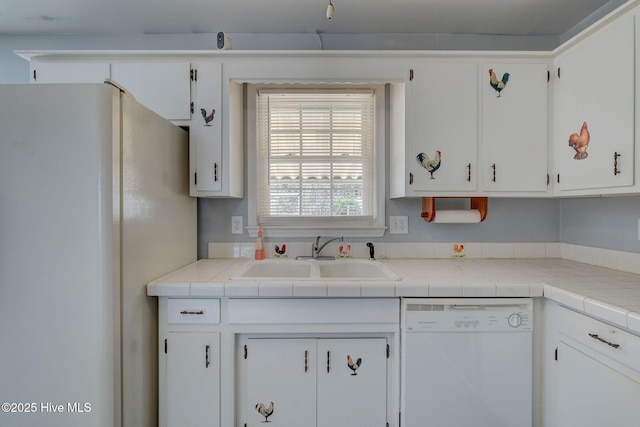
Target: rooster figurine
(207,117)
(280,250)
(353,365)
(430,165)
(496,84)
(265,411)
(580,142)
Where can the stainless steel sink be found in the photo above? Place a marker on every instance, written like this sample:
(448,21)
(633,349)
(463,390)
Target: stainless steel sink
(341,269)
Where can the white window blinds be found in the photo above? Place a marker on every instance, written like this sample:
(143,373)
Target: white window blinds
(315,154)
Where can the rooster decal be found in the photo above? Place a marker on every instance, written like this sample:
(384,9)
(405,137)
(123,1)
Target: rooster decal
(580,142)
(354,365)
(430,165)
(207,117)
(498,85)
(280,251)
(265,411)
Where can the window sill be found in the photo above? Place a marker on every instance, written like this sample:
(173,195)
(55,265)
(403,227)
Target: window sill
(314,231)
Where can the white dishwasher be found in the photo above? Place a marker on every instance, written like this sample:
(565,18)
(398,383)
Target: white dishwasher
(466,362)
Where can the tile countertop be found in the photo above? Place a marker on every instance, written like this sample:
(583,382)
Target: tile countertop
(610,295)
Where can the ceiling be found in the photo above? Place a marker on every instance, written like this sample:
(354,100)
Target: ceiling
(483,17)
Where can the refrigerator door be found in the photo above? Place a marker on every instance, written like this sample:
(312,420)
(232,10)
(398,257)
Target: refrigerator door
(56,272)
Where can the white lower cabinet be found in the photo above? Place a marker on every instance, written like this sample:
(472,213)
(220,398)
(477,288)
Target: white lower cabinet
(593,391)
(592,372)
(309,382)
(193,379)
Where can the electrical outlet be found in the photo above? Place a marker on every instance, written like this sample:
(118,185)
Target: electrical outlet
(398,225)
(236,225)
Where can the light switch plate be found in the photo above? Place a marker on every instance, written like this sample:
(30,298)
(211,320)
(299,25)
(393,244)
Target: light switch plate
(398,225)
(236,225)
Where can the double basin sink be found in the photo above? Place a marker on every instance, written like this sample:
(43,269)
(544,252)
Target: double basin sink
(311,269)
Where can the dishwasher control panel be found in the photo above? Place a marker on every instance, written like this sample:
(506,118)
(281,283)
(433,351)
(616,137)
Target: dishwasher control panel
(467,315)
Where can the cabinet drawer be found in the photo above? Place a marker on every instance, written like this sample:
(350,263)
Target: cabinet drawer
(599,336)
(307,311)
(193,311)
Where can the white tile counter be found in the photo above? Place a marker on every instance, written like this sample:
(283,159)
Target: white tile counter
(610,295)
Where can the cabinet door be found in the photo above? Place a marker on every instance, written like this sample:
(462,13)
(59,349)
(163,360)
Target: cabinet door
(443,127)
(594,118)
(281,374)
(514,127)
(193,379)
(352,382)
(592,393)
(51,71)
(162,86)
(205,133)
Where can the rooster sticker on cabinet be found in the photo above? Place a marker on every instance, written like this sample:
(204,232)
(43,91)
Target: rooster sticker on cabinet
(498,85)
(580,142)
(431,165)
(265,411)
(208,117)
(353,365)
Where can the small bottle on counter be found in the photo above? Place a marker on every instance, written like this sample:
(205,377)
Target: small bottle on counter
(259,254)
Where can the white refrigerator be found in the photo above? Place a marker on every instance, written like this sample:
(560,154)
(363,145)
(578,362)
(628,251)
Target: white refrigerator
(93,204)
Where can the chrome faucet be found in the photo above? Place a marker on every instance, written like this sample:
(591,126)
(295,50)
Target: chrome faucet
(316,248)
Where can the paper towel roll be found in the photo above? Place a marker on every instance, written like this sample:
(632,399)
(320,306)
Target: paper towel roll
(457,216)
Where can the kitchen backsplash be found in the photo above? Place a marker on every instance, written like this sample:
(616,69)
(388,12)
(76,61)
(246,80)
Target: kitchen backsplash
(616,260)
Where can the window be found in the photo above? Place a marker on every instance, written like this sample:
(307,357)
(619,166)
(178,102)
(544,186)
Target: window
(316,161)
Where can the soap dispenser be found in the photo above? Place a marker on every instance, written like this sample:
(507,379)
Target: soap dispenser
(259,254)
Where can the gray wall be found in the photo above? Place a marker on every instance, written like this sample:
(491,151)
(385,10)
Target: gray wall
(600,222)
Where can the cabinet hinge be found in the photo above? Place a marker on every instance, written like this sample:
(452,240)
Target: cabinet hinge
(388,351)
(192,107)
(555,356)
(411,75)
(34,75)
(165,346)
(194,75)
(245,351)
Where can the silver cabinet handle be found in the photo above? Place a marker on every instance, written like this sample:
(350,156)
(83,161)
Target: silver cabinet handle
(493,166)
(206,356)
(610,344)
(192,312)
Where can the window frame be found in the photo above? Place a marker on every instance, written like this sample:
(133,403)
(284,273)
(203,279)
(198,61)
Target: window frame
(326,226)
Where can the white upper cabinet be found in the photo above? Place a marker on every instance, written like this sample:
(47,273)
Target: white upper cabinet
(462,139)
(594,97)
(442,128)
(163,86)
(514,127)
(215,134)
(44,70)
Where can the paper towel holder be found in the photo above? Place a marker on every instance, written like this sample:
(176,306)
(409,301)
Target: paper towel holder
(429,206)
